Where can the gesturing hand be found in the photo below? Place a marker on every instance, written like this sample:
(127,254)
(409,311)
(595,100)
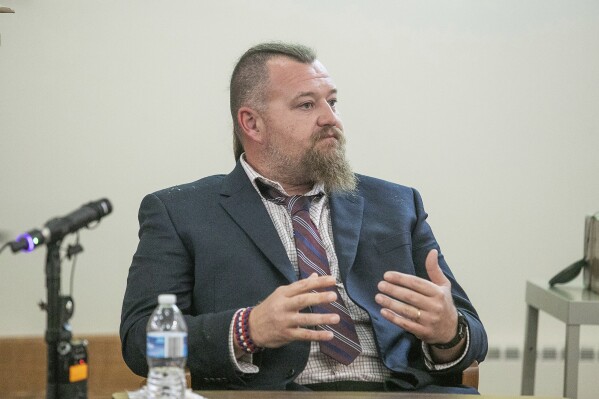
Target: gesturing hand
(424,308)
(277,320)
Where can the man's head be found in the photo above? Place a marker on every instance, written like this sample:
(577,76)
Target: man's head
(250,79)
(283,107)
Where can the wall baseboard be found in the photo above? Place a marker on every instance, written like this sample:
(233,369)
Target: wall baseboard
(587,353)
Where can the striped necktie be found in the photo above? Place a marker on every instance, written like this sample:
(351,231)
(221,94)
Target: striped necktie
(312,258)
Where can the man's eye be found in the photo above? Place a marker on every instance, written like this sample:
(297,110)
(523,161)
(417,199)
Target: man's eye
(333,103)
(307,106)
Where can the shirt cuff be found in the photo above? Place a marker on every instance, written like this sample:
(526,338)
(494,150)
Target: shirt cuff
(430,363)
(244,363)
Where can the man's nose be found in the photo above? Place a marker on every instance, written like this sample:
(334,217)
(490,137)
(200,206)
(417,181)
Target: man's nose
(328,116)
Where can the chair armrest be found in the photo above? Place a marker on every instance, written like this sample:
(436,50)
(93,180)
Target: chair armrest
(470,375)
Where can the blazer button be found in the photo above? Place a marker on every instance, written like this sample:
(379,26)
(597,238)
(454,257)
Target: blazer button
(290,373)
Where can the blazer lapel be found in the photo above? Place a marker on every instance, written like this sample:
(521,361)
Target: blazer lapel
(241,201)
(346,217)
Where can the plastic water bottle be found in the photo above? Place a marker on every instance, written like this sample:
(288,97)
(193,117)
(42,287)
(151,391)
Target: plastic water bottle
(166,350)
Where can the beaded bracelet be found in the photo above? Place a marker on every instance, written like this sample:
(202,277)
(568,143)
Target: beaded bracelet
(242,331)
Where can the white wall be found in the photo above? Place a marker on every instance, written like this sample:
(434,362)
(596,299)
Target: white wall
(489,108)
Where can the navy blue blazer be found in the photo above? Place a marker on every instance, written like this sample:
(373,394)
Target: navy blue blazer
(213,244)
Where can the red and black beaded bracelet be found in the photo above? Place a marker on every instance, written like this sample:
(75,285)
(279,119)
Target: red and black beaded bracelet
(242,331)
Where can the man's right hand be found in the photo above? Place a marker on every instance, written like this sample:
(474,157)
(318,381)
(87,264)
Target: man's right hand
(277,320)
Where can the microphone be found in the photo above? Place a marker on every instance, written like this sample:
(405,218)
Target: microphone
(55,229)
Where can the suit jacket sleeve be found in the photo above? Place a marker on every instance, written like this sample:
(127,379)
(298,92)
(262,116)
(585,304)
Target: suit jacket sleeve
(163,264)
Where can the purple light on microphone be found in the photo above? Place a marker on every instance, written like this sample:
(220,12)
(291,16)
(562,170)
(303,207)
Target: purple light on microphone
(29,239)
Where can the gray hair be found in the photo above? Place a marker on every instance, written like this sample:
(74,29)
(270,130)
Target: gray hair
(250,79)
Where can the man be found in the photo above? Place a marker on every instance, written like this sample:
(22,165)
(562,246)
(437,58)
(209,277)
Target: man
(347,291)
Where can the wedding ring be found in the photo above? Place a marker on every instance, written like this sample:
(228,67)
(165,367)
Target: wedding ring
(417,315)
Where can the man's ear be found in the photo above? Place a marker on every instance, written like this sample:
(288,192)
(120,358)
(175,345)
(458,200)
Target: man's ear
(251,123)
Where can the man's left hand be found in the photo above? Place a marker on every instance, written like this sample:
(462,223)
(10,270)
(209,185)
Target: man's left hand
(424,308)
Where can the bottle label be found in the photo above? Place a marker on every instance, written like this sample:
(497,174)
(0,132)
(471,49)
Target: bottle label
(168,344)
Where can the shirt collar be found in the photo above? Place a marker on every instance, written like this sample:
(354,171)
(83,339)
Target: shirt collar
(253,175)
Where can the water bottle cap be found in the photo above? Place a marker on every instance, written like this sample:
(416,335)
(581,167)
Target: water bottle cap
(167,299)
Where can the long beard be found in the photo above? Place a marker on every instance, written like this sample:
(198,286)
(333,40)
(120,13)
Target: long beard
(330,167)
(326,165)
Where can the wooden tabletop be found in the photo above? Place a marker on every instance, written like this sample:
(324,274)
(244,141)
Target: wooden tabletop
(336,395)
(309,395)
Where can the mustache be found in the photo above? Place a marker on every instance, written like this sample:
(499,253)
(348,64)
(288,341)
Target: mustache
(327,132)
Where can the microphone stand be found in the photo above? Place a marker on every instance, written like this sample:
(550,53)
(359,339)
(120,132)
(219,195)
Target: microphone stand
(67,358)
(63,354)
(53,310)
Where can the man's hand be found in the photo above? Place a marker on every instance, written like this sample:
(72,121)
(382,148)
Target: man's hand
(277,320)
(424,308)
